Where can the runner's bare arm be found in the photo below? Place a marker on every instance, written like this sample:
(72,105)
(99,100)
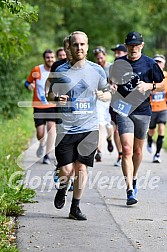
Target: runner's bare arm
(103,96)
(143,86)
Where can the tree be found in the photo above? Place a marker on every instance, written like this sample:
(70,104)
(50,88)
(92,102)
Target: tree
(14,44)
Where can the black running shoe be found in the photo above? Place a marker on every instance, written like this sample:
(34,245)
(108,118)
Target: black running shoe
(60,198)
(98,156)
(110,146)
(76,214)
(131,200)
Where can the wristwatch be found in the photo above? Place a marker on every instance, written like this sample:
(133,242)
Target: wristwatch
(154,87)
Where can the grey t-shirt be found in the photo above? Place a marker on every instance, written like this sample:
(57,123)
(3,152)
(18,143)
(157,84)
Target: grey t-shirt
(79,114)
(107,68)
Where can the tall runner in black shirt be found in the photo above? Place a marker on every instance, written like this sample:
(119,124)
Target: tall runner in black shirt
(132,78)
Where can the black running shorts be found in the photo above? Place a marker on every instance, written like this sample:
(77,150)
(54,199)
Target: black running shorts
(72,147)
(41,116)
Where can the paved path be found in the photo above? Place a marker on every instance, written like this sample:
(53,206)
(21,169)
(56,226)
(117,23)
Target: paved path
(111,225)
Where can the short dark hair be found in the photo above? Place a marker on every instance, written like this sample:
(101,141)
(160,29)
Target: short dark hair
(65,40)
(60,49)
(47,51)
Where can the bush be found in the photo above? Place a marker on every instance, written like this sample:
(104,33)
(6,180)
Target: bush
(15,134)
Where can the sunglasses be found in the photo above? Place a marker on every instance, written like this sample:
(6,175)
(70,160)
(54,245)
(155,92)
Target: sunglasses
(97,50)
(158,61)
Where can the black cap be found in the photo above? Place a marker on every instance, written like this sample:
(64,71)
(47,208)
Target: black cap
(119,47)
(134,38)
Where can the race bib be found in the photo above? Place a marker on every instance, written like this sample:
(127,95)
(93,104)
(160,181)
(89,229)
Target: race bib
(82,105)
(121,107)
(158,96)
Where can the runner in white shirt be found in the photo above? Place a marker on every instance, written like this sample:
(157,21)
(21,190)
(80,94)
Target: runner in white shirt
(103,107)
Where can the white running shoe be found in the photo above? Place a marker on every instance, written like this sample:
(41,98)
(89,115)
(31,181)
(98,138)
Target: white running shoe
(156,159)
(118,162)
(40,151)
(46,160)
(149,148)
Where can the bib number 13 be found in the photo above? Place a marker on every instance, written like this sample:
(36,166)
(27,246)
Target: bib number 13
(121,107)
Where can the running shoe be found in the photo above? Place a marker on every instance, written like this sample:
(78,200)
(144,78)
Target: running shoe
(76,214)
(156,159)
(110,146)
(60,197)
(98,156)
(131,200)
(118,162)
(40,151)
(149,148)
(46,160)
(135,187)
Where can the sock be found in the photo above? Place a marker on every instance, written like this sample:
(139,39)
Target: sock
(159,144)
(120,155)
(42,142)
(109,138)
(75,203)
(149,140)
(129,189)
(134,183)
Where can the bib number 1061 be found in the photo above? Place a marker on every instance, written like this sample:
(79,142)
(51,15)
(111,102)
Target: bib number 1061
(82,105)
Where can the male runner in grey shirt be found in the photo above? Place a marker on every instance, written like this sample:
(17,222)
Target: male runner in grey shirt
(77,86)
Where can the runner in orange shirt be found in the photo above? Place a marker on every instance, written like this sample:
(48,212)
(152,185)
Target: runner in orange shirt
(159,114)
(36,83)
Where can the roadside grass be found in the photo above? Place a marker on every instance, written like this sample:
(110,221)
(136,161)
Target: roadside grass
(165,138)
(15,136)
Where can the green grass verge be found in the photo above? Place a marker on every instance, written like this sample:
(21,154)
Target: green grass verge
(165,138)
(15,135)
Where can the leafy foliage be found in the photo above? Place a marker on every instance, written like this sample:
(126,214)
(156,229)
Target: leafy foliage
(13,6)
(19,9)
(14,137)
(14,45)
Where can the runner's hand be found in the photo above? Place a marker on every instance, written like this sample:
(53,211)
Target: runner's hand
(63,99)
(99,94)
(31,86)
(113,88)
(143,87)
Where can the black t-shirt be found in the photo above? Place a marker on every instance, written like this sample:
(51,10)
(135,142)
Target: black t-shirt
(127,74)
(57,63)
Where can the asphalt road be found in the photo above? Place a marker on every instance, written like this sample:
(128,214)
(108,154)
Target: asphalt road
(111,225)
